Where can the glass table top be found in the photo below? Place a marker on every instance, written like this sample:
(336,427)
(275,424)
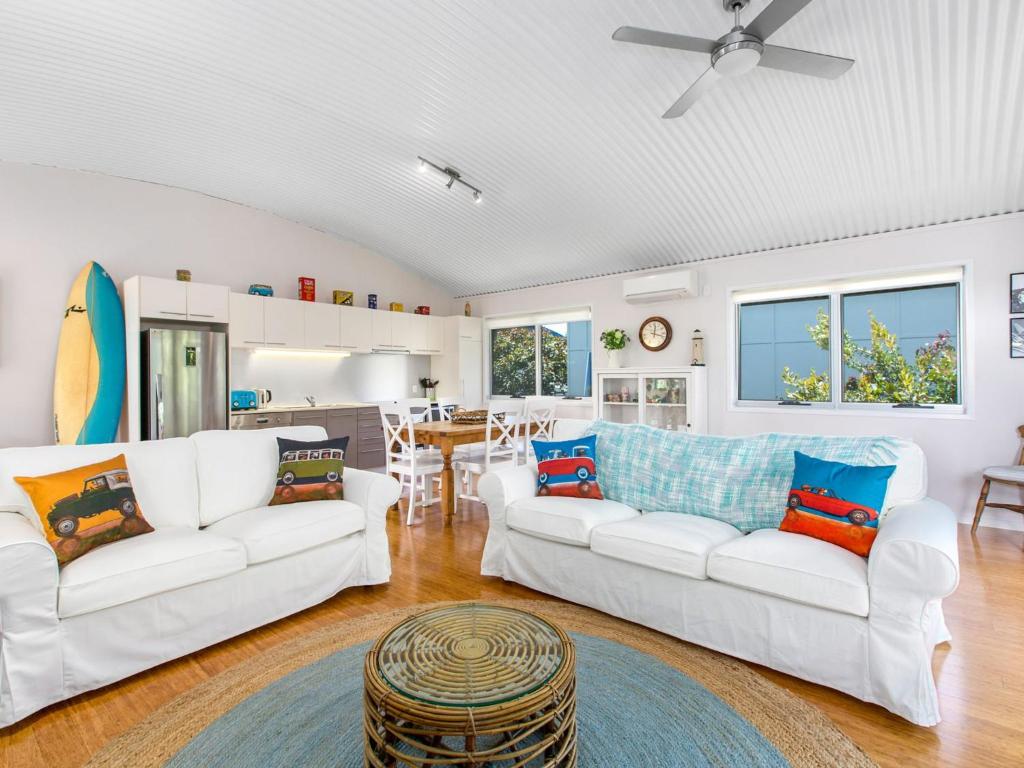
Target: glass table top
(471,655)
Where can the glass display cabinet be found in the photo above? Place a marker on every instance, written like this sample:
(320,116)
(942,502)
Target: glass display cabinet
(666,398)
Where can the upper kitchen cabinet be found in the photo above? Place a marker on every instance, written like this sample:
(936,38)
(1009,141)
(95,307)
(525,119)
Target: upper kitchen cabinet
(160,298)
(427,335)
(246,329)
(322,326)
(470,328)
(205,302)
(284,323)
(356,328)
(391,330)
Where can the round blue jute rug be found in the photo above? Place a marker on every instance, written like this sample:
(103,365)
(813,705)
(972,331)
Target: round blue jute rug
(644,699)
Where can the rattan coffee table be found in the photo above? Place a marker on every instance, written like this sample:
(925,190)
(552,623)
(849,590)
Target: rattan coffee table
(471,684)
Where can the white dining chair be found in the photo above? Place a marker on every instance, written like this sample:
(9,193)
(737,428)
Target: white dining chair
(415,468)
(500,449)
(538,423)
(446,407)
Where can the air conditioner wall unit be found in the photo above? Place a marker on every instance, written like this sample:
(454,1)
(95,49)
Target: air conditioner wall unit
(661,286)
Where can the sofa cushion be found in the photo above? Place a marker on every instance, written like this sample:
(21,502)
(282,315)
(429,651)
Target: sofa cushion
(567,467)
(564,519)
(268,533)
(309,470)
(237,470)
(132,569)
(794,567)
(909,483)
(163,474)
(665,541)
(86,507)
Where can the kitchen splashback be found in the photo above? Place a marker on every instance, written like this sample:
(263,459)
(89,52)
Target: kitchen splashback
(359,378)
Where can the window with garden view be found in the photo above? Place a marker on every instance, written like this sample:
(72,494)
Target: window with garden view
(542,358)
(894,347)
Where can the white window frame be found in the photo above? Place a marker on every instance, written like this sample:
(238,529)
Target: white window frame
(834,288)
(536,319)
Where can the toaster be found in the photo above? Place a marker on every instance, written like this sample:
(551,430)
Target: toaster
(243,399)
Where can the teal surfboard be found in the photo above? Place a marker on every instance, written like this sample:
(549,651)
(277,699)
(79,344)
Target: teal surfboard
(89,379)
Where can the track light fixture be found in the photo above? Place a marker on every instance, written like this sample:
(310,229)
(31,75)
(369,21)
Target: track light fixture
(453,177)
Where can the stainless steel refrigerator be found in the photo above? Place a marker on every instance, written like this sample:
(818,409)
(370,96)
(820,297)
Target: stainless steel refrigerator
(185,382)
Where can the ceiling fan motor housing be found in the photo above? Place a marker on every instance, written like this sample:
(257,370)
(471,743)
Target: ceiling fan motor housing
(738,52)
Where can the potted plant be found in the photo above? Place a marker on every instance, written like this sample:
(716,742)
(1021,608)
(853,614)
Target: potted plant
(614,341)
(429,386)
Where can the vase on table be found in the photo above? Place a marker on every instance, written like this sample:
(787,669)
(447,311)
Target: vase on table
(614,358)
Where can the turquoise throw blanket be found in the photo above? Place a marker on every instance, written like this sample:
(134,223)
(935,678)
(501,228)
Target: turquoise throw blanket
(743,481)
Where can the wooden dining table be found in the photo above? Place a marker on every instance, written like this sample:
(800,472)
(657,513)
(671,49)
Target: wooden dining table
(446,436)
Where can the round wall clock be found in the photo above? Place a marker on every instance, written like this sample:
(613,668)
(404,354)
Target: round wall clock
(655,333)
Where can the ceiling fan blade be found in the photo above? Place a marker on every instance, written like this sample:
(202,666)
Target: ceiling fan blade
(704,84)
(663,39)
(804,62)
(774,16)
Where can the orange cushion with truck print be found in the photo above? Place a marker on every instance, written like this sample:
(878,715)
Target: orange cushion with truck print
(82,508)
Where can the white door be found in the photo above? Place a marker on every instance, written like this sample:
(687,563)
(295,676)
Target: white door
(403,330)
(471,374)
(420,333)
(356,328)
(246,325)
(322,329)
(161,298)
(380,328)
(435,335)
(284,321)
(208,303)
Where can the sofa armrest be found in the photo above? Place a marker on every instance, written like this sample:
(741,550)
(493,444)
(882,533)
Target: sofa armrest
(914,560)
(31,666)
(376,493)
(497,491)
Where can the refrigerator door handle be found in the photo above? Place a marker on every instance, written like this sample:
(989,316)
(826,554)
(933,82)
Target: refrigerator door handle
(158,409)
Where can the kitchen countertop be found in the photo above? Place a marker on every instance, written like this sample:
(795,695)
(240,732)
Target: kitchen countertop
(304,407)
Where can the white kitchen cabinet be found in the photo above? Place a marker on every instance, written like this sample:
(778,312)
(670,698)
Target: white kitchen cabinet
(380,329)
(162,298)
(246,325)
(667,398)
(322,326)
(284,323)
(459,369)
(403,330)
(207,303)
(469,327)
(435,335)
(355,328)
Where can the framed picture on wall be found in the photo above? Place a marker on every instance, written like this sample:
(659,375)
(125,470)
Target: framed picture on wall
(1017,294)
(1017,337)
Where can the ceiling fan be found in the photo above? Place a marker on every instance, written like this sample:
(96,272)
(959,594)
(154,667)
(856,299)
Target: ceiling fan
(740,50)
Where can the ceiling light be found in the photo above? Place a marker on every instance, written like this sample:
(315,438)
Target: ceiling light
(453,176)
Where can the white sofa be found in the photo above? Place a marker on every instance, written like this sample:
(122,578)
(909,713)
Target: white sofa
(790,602)
(219,562)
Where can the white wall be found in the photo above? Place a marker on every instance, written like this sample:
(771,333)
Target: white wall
(957,449)
(53,221)
(355,379)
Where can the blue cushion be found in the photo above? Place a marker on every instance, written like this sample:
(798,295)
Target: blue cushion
(567,468)
(836,502)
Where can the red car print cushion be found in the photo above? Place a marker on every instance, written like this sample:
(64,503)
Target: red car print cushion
(835,502)
(568,468)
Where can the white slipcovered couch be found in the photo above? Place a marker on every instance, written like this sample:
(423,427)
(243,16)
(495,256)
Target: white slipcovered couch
(218,564)
(790,602)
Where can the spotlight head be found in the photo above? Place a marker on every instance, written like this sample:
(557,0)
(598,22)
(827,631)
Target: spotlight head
(478,197)
(423,165)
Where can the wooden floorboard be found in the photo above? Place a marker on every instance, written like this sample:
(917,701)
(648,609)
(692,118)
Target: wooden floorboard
(980,677)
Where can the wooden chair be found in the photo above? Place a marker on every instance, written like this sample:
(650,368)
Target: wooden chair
(1012,475)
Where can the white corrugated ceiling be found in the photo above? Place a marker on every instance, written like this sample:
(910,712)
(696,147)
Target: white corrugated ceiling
(317,110)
